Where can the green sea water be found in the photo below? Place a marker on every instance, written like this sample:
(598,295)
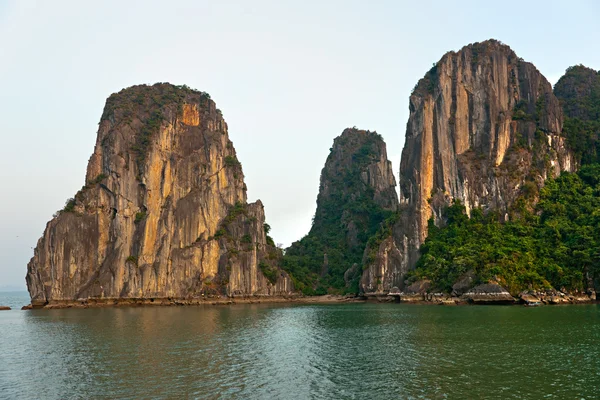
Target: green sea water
(340,351)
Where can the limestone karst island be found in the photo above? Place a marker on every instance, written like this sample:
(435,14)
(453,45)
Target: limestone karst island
(299,200)
(499,191)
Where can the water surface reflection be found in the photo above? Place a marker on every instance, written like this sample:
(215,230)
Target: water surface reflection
(302,352)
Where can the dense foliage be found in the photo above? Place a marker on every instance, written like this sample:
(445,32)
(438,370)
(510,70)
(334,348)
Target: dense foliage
(579,93)
(557,246)
(318,261)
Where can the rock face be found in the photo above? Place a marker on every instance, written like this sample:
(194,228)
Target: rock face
(356,193)
(578,91)
(163,212)
(340,177)
(489,293)
(484,127)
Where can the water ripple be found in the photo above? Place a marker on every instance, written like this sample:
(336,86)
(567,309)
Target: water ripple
(351,351)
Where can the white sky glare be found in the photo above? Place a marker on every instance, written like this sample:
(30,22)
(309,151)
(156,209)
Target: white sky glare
(289,76)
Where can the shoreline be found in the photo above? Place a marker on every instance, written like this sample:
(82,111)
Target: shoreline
(173,302)
(419,299)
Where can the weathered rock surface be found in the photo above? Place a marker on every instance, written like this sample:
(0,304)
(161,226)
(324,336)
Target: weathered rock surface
(375,177)
(484,127)
(557,297)
(421,287)
(357,192)
(529,299)
(463,284)
(489,293)
(576,89)
(163,213)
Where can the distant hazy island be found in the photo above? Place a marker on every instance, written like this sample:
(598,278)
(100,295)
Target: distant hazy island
(499,200)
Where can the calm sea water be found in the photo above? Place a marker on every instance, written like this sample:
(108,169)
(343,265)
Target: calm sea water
(351,351)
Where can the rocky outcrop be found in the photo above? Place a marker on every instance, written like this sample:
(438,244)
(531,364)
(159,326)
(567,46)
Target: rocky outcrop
(340,176)
(464,283)
(4,308)
(554,296)
(578,91)
(484,128)
(357,193)
(489,293)
(163,213)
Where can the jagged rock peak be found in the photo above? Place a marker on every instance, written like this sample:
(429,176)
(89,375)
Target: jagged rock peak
(480,102)
(475,53)
(365,153)
(356,194)
(576,89)
(163,212)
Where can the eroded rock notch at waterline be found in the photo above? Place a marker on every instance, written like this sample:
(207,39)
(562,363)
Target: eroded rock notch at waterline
(163,213)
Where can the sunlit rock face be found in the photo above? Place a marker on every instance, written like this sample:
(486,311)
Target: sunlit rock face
(483,125)
(163,212)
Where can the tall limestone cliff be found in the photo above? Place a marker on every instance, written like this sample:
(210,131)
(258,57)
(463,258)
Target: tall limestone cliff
(484,128)
(356,194)
(163,213)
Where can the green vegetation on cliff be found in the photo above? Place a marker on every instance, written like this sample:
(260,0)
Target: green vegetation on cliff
(552,244)
(150,105)
(579,93)
(557,246)
(347,216)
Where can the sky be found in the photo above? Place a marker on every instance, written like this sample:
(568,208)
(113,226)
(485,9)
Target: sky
(289,76)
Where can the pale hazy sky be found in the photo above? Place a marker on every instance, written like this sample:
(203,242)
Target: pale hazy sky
(288,75)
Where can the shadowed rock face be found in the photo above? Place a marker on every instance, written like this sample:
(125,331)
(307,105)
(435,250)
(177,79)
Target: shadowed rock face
(163,213)
(374,178)
(357,192)
(579,93)
(483,123)
(577,90)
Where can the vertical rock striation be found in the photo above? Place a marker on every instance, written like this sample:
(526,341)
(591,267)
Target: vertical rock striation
(163,212)
(484,127)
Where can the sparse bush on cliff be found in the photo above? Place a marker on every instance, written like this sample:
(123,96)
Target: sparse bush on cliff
(219,233)
(140,216)
(385,231)
(99,178)
(270,272)
(246,239)
(69,205)
(232,161)
(150,128)
(132,260)
(520,112)
(238,208)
